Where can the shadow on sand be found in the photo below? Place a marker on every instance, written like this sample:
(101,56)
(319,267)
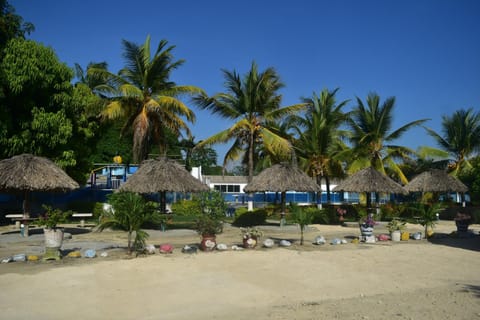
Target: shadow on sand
(467,241)
(33,231)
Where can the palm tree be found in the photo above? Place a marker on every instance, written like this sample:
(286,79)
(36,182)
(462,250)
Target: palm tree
(253,102)
(460,139)
(130,212)
(372,134)
(318,136)
(91,80)
(144,97)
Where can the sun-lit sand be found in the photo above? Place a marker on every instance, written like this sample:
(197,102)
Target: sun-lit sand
(404,280)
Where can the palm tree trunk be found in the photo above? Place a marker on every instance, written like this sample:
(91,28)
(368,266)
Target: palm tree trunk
(282,214)
(327,184)
(250,158)
(250,171)
(318,178)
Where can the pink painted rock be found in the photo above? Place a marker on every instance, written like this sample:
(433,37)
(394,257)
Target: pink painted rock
(166,248)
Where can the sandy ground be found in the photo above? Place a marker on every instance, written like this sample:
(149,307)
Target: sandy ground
(437,279)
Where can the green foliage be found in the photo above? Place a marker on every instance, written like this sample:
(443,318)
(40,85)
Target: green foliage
(244,218)
(373,139)
(143,96)
(395,225)
(471,178)
(41,112)
(320,216)
(253,102)
(210,208)
(302,217)
(428,214)
(212,203)
(53,217)
(186,208)
(207,225)
(12,25)
(130,212)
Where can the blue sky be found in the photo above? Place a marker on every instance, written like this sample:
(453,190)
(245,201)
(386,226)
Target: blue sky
(425,53)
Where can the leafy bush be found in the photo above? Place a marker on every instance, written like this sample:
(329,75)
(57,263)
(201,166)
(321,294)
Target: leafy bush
(244,218)
(301,216)
(186,208)
(319,216)
(130,212)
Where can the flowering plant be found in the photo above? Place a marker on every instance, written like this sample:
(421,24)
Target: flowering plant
(368,221)
(341,212)
(52,217)
(251,232)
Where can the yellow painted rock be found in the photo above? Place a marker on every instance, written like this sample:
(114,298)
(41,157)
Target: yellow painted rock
(355,241)
(32,258)
(74,254)
(405,236)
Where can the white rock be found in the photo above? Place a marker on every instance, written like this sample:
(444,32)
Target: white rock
(320,240)
(150,248)
(268,243)
(285,243)
(222,247)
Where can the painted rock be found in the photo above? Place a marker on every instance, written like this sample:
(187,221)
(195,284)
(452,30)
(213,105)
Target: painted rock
(268,243)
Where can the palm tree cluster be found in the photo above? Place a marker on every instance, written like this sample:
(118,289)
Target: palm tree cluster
(317,133)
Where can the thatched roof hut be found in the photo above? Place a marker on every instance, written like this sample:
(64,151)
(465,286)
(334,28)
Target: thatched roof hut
(25,173)
(162,175)
(369,180)
(435,180)
(281,178)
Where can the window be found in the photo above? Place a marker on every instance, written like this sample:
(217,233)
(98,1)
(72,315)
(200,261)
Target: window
(227,188)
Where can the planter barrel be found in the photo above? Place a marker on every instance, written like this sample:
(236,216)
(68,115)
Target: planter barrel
(461,226)
(250,242)
(53,243)
(396,235)
(208,243)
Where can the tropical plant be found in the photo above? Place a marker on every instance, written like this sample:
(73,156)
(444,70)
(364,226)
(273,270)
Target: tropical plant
(129,212)
(12,25)
(251,232)
(207,225)
(41,112)
(372,135)
(318,135)
(252,101)
(460,139)
(302,217)
(428,214)
(144,96)
(53,217)
(396,225)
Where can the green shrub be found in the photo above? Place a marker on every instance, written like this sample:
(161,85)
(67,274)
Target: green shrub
(186,208)
(319,216)
(249,218)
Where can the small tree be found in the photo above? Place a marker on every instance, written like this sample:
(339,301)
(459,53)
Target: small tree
(129,212)
(428,214)
(302,217)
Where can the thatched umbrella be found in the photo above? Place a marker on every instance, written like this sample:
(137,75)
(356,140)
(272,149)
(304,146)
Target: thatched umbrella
(26,173)
(162,175)
(369,180)
(282,178)
(435,180)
